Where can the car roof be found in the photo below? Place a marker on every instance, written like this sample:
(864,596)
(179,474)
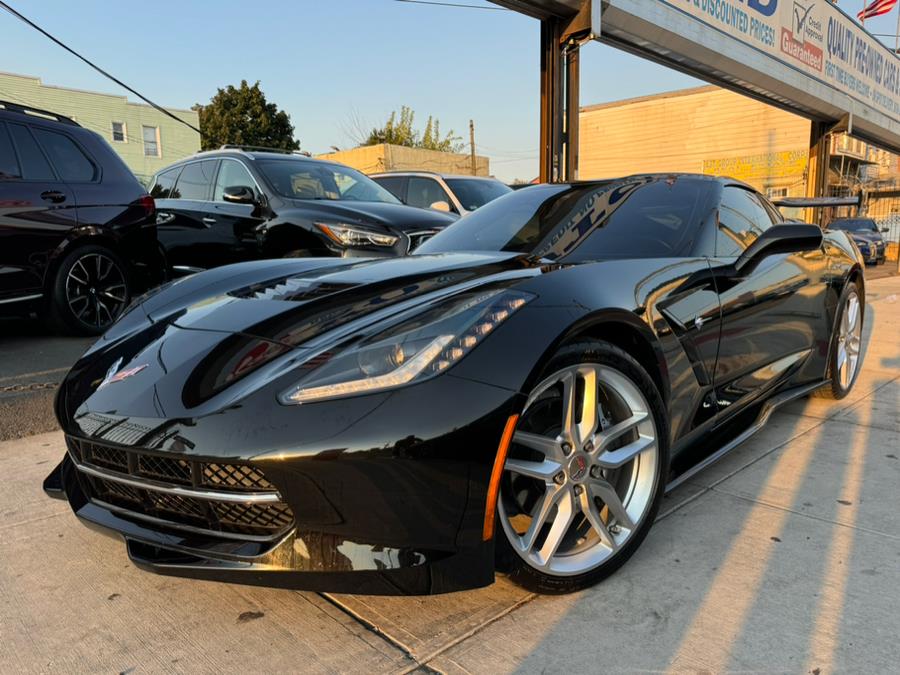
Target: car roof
(35,114)
(416,172)
(253,154)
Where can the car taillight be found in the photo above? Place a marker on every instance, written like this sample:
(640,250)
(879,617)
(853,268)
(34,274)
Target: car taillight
(148,204)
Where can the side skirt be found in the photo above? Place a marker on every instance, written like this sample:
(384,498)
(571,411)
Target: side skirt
(765,413)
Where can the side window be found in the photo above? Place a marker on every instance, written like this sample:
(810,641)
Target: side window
(9,165)
(393,184)
(423,192)
(163,186)
(231,174)
(70,162)
(195,180)
(742,218)
(34,165)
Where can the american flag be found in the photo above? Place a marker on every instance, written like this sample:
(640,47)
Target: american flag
(877,8)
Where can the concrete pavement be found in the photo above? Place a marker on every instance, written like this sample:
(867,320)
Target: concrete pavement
(784,556)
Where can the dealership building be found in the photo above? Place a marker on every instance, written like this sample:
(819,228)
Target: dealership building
(145,138)
(716,131)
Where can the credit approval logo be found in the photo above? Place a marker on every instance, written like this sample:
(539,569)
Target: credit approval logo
(799,41)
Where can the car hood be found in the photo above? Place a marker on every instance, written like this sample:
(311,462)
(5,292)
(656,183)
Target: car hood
(866,237)
(396,216)
(197,348)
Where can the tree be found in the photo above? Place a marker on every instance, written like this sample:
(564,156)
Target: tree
(242,116)
(401,132)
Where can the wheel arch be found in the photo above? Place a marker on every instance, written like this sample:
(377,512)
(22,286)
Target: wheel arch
(90,236)
(626,331)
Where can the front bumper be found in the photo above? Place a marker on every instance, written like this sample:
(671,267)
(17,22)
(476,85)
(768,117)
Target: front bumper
(370,516)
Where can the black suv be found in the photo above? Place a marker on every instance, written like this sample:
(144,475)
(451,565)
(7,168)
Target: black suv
(77,229)
(240,203)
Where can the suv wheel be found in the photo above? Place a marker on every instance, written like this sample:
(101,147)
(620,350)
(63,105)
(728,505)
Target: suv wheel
(89,292)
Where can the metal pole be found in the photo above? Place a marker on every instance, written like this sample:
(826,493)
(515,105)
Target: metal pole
(572,110)
(472,147)
(551,100)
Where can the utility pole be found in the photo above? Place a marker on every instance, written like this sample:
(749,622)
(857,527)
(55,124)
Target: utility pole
(472,147)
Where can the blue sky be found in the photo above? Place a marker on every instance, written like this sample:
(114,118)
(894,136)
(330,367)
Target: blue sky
(328,61)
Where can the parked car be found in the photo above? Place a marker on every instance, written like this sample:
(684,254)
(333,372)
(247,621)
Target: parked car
(866,234)
(237,204)
(441,192)
(519,393)
(77,229)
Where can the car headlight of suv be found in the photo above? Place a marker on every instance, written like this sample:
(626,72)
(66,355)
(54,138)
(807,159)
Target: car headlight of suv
(409,351)
(350,235)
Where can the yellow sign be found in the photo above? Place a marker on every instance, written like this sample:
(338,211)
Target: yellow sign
(756,168)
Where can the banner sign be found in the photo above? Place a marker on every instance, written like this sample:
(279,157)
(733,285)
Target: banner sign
(813,36)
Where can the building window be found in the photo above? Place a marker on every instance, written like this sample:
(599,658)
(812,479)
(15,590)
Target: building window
(118,132)
(776,193)
(151,142)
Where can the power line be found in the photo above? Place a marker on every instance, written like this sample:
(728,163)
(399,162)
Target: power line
(100,70)
(452,4)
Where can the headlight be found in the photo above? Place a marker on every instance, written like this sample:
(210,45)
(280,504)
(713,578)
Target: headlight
(411,350)
(349,235)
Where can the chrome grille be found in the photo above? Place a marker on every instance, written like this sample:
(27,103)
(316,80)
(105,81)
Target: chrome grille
(221,498)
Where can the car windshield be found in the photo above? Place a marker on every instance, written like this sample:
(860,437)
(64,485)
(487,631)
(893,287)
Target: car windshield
(474,193)
(637,217)
(853,225)
(309,179)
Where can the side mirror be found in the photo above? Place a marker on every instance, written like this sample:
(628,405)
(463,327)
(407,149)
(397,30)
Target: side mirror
(239,194)
(885,229)
(785,238)
(440,206)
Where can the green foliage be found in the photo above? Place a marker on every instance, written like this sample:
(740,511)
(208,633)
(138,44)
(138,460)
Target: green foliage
(401,132)
(242,116)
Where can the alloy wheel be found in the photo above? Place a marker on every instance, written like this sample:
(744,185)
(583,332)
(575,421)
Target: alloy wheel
(581,472)
(849,340)
(96,291)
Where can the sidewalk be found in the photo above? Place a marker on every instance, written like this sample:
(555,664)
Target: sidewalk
(785,556)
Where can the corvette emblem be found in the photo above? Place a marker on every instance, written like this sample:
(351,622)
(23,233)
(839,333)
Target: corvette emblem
(577,467)
(114,375)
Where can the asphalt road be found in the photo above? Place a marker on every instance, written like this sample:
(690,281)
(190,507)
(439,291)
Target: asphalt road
(32,362)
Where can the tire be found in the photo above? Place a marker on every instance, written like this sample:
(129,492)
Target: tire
(74,308)
(555,471)
(842,348)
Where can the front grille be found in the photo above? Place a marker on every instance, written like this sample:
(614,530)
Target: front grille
(104,468)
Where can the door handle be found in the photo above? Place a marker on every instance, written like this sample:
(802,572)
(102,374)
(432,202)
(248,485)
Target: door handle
(53,196)
(209,221)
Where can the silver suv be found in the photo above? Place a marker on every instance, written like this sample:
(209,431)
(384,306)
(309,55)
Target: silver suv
(441,192)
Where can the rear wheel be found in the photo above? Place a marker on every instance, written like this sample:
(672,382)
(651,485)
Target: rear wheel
(846,343)
(584,475)
(89,292)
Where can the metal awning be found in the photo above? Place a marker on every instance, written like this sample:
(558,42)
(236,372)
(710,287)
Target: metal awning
(805,56)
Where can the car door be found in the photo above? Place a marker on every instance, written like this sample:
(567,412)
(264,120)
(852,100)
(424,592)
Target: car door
(422,191)
(236,223)
(37,212)
(773,316)
(186,225)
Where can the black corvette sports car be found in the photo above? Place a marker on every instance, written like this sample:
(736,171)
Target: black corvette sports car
(517,395)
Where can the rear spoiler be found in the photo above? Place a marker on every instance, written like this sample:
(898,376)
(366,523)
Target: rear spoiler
(818,202)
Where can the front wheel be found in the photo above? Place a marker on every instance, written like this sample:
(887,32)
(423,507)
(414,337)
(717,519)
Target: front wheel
(585,471)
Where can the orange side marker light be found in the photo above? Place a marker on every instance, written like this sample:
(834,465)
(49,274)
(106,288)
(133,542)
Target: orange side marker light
(494,486)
